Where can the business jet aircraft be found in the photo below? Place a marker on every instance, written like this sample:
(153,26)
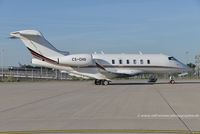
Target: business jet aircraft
(101,67)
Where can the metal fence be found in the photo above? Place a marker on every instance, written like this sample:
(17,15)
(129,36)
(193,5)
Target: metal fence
(31,73)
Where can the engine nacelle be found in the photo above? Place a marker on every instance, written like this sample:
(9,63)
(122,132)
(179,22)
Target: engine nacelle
(76,60)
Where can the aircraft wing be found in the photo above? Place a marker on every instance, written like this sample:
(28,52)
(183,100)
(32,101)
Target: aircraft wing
(105,73)
(117,72)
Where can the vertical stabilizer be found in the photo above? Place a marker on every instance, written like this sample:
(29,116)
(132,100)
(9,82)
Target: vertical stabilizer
(35,42)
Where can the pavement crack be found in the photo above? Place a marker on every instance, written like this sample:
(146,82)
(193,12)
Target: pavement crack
(36,101)
(174,111)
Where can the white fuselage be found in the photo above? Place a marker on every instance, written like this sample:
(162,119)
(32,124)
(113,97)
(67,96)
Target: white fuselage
(118,64)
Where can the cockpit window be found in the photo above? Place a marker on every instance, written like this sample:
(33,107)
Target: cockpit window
(172,58)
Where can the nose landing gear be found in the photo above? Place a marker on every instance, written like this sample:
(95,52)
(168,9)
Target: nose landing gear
(171,80)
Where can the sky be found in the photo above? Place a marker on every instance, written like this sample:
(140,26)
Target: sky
(170,27)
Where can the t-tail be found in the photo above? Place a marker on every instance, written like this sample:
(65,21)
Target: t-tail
(45,54)
(37,44)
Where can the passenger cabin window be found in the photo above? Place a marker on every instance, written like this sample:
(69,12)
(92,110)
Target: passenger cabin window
(113,61)
(148,62)
(120,61)
(134,62)
(127,62)
(141,61)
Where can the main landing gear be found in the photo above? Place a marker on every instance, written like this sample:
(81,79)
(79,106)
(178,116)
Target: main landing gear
(101,82)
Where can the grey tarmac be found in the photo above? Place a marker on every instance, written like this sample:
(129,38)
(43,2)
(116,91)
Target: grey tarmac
(125,106)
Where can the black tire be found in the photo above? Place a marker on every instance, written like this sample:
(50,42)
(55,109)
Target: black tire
(97,82)
(172,82)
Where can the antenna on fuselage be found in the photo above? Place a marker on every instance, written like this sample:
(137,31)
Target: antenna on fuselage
(140,53)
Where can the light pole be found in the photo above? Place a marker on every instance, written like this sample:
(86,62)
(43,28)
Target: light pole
(197,62)
(2,64)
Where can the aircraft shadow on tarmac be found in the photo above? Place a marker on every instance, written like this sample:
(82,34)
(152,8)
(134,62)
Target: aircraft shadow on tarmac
(146,83)
(119,83)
